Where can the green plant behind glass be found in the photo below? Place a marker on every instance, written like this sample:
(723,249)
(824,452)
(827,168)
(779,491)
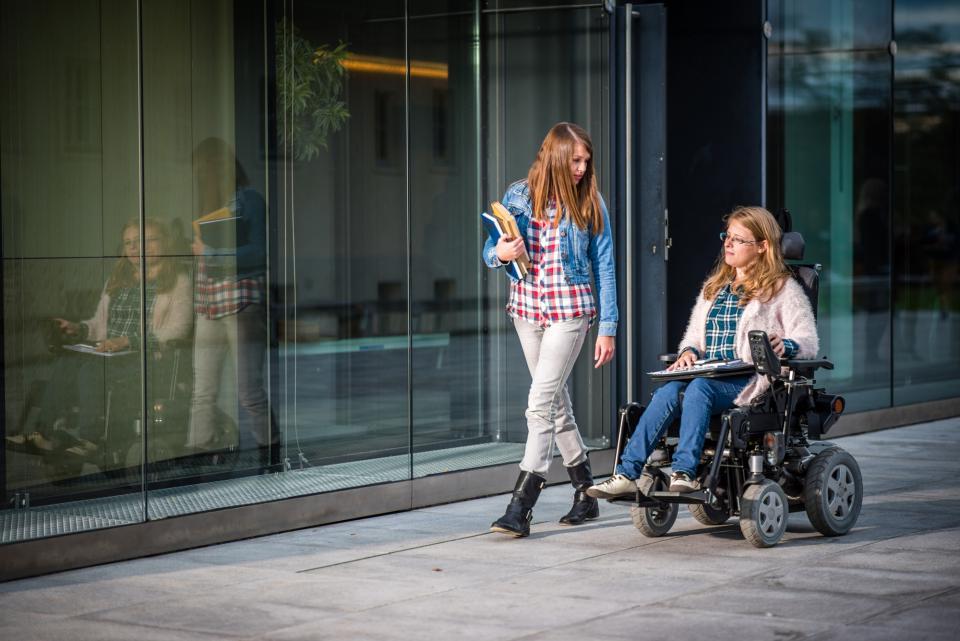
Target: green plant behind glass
(309,91)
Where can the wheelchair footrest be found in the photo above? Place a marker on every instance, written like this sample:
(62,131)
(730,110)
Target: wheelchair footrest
(698,496)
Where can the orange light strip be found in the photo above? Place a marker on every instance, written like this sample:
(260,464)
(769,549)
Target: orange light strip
(377,64)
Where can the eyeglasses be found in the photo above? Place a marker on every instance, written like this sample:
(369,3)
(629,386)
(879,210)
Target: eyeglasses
(736,240)
(135,242)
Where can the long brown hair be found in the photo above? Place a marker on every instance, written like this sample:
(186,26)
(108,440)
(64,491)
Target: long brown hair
(549,177)
(767,276)
(125,273)
(219,174)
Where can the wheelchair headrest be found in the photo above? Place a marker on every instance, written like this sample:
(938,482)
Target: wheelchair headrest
(792,245)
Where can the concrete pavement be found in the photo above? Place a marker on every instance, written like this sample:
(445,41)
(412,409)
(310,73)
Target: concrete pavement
(437,573)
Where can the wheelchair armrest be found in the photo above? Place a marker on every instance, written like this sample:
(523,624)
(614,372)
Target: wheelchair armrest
(808,363)
(668,358)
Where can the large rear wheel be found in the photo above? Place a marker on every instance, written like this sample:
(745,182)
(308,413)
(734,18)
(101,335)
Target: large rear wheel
(833,492)
(709,515)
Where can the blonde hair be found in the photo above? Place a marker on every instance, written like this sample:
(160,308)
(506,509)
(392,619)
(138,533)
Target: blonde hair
(124,274)
(767,275)
(549,178)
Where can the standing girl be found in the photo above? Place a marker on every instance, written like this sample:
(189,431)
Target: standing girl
(565,231)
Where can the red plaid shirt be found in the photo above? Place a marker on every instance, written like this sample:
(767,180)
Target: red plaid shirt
(545,297)
(218,297)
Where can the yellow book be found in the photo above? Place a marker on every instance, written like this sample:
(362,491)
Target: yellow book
(509,224)
(219,229)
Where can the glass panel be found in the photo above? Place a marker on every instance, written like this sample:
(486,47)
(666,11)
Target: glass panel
(532,5)
(205,190)
(343,383)
(273,334)
(927,201)
(822,25)
(445,255)
(834,113)
(555,64)
(69,163)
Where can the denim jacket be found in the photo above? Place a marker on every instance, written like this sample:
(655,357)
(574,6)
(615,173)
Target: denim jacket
(580,251)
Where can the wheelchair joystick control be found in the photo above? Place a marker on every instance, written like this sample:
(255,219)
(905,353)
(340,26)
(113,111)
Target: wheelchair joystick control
(766,360)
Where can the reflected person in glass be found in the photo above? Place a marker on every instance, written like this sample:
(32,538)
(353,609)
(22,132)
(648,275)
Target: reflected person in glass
(230,302)
(565,233)
(750,288)
(872,260)
(67,423)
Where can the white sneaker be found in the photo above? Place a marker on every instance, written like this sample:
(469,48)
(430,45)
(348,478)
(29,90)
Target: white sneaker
(681,482)
(615,486)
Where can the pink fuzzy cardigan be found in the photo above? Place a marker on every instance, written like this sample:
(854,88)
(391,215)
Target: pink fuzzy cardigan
(788,315)
(172,313)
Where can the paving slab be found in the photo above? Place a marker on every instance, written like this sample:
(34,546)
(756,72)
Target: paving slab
(438,573)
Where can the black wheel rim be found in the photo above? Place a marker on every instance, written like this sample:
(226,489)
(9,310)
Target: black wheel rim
(659,516)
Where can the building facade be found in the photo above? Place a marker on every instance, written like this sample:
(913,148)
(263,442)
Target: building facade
(334,347)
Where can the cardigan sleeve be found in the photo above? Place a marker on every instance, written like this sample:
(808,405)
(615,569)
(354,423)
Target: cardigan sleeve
(695,336)
(97,324)
(175,320)
(796,317)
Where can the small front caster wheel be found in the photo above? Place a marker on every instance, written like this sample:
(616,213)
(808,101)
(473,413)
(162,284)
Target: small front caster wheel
(763,513)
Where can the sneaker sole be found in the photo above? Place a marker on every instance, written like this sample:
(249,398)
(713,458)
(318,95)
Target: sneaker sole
(599,494)
(503,530)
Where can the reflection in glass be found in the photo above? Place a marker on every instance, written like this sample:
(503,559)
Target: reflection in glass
(554,63)
(926,224)
(833,110)
(446,382)
(230,302)
(303,215)
(342,291)
(71,269)
(804,26)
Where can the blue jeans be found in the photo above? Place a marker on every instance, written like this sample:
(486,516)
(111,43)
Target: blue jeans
(702,397)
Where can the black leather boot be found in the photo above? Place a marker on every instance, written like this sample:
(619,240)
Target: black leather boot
(584,507)
(516,520)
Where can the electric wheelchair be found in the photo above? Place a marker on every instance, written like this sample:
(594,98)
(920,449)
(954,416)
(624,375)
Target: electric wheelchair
(763,461)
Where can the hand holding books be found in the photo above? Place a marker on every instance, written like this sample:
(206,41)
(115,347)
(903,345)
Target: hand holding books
(500,223)
(221,229)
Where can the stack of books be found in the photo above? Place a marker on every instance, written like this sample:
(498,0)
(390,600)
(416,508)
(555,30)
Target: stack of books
(220,229)
(500,222)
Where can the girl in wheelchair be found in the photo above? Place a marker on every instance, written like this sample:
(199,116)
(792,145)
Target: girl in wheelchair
(70,420)
(750,288)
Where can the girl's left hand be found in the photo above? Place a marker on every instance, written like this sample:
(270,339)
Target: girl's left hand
(777,344)
(603,353)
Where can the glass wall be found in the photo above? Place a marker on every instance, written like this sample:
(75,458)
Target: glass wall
(520,104)
(241,245)
(926,181)
(863,152)
(74,257)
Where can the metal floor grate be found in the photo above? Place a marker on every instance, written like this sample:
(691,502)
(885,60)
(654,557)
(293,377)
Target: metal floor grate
(78,516)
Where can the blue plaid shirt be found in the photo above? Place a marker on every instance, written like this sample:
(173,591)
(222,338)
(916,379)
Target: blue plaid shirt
(721,330)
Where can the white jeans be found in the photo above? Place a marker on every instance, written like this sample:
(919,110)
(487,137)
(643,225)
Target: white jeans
(551,353)
(240,337)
